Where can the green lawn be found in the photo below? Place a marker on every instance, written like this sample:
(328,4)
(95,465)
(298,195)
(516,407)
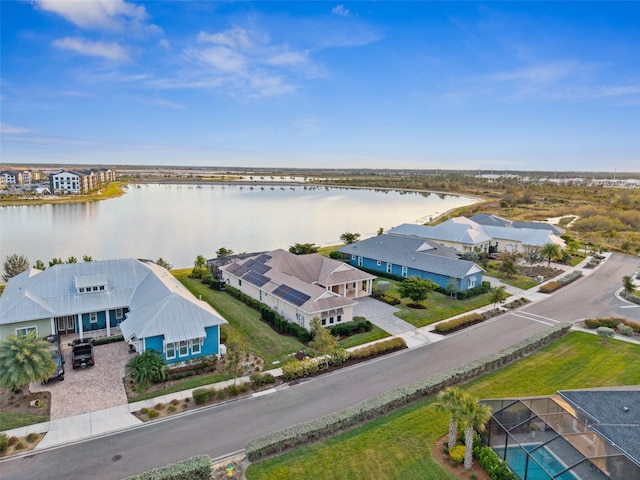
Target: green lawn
(244,323)
(398,446)
(361,338)
(521,281)
(187,384)
(9,421)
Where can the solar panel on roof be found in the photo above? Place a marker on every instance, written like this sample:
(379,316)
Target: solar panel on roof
(291,295)
(260,268)
(256,279)
(241,271)
(233,267)
(263,257)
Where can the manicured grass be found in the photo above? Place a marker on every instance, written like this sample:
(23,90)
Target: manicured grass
(361,338)
(398,446)
(9,421)
(186,384)
(521,281)
(244,323)
(439,307)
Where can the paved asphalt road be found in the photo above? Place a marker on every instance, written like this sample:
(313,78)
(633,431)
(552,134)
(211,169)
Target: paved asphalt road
(223,429)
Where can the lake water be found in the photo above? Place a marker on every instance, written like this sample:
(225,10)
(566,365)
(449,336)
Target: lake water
(179,222)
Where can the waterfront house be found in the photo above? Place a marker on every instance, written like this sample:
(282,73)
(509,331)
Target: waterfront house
(410,256)
(300,287)
(139,299)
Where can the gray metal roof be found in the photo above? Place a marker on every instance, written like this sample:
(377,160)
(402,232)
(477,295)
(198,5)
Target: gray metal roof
(158,303)
(409,251)
(449,231)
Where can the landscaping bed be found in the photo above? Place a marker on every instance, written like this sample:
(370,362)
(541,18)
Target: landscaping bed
(16,410)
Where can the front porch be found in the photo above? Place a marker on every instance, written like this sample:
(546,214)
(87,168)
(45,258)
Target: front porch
(353,289)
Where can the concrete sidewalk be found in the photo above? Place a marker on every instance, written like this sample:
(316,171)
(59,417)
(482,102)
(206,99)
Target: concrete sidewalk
(119,418)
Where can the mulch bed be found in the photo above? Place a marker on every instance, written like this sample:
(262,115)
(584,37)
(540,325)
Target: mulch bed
(439,455)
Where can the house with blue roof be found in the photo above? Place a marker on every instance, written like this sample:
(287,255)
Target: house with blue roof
(410,256)
(139,299)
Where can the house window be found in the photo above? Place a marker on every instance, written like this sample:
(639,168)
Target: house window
(389,265)
(101,287)
(404,271)
(93,317)
(171,350)
(23,332)
(339,319)
(183,349)
(239,282)
(95,289)
(359,261)
(353,257)
(196,346)
(472,282)
(81,289)
(119,314)
(330,320)
(379,263)
(324,322)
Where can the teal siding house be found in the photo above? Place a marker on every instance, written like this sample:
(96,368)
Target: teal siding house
(139,299)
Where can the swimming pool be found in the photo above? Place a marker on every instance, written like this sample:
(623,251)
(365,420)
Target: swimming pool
(542,464)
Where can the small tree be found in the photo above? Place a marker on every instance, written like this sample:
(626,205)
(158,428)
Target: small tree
(627,285)
(199,267)
(223,252)
(235,357)
(25,359)
(498,295)
(416,289)
(349,238)
(509,264)
(470,256)
(40,265)
(55,261)
(380,231)
(323,341)
(532,256)
(87,258)
(303,248)
(146,368)
(72,260)
(163,263)
(452,287)
(550,251)
(14,265)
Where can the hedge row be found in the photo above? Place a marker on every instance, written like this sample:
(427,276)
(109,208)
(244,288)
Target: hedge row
(550,287)
(457,323)
(474,292)
(279,323)
(194,468)
(611,322)
(378,348)
(202,396)
(105,340)
(374,407)
(570,277)
(351,328)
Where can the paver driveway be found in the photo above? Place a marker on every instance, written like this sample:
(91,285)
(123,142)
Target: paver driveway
(92,388)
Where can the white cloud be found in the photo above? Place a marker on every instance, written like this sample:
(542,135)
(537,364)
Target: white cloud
(540,73)
(221,58)
(108,50)
(287,58)
(340,10)
(104,14)
(234,38)
(12,129)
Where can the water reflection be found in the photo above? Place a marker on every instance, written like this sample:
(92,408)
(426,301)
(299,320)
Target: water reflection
(178,222)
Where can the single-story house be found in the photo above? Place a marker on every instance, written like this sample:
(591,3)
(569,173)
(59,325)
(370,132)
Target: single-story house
(496,221)
(465,235)
(138,298)
(408,256)
(575,434)
(300,287)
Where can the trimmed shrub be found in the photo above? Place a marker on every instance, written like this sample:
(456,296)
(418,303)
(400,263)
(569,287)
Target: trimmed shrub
(378,348)
(175,401)
(449,326)
(493,465)
(484,287)
(153,413)
(194,468)
(611,322)
(456,453)
(144,410)
(236,389)
(159,406)
(203,395)
(351,328)
(4,442)
(171,409)
(625,330)
(549,287)
(19,445)
(260,379)
(631,297)
(111,339)
(292,437)
(32,437)
(12,441)
(571,277)
(605,332)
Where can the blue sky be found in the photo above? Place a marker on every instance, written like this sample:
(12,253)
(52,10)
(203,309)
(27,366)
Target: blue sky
(464,85)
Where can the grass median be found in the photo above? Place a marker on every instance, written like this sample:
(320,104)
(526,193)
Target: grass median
(399,446)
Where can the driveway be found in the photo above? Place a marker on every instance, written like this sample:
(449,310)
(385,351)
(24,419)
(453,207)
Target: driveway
(381,315)
(92,388)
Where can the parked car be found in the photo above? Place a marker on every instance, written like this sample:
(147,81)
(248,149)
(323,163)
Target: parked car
(82,353)
(56,353)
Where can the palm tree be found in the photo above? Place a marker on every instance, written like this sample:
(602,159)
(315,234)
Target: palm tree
(349,238)
(550,251)
(450,400)
(146,368)
(472,415)
(25,359)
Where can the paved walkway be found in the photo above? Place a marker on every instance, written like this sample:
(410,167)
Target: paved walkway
(381,315)
(118,418)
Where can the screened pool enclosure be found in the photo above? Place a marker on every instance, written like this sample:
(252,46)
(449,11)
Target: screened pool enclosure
(574,435)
